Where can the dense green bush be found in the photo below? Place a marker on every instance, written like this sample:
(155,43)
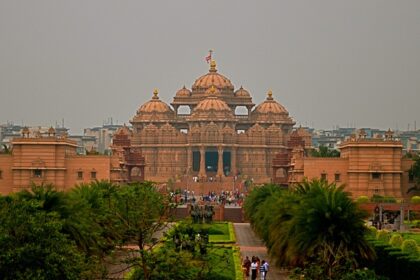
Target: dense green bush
(391,262)
(415,199)
(362,199)
(383,235)
(383,199)
(396,240)
(410,247)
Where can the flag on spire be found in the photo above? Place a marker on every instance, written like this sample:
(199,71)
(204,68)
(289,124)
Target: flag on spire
(208,58)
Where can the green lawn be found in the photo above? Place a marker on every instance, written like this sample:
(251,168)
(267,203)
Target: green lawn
(218,231)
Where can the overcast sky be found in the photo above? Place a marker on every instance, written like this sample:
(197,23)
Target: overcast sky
(328,62)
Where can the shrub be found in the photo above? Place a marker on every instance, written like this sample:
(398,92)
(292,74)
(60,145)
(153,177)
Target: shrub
(372,231)
(362,199)
(385,199)
(396,240)
(415,199)
(409,246)
(383,235)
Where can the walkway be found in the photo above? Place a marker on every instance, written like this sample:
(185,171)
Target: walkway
(251,245)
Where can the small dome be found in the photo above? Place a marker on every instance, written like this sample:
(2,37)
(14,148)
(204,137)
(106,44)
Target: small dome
(183,92)
(213,79)
(155,105)
(242,92)
(270,106)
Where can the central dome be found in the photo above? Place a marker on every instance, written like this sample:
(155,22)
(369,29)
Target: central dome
(212,102)
(213,79)
(212,108)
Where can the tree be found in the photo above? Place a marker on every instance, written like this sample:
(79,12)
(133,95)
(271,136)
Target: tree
(315,224)
(33,245)
(143,212)
(414,174)
(325,152)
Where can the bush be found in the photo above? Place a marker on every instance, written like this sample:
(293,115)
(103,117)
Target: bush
(362,199)
(409,246)
(396,240)
(415,199)
(383,236)
(384,199)
(365,274)
(393,263)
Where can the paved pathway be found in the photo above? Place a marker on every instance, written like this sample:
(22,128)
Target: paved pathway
(251,245)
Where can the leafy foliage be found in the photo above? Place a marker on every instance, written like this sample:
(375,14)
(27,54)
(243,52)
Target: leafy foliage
(33,244)
(415,199)
(410,247)
(316,223)
(396,240)
(47,234)
(325,152)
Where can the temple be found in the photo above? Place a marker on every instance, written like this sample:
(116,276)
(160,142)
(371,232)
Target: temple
(211,142)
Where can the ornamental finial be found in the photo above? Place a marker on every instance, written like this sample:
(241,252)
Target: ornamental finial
(270,95)
(213,66)
(155,93)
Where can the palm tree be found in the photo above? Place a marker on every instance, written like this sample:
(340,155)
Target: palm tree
(48,198)
(324,226)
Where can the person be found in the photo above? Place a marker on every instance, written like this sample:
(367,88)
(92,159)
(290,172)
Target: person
(266,266)
(254,269)
(247,265)
(262,270)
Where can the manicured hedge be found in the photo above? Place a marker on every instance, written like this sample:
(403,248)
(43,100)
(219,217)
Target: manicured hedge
(393,263)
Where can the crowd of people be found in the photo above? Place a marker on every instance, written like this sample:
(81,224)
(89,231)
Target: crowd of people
(234,198)
(255,268)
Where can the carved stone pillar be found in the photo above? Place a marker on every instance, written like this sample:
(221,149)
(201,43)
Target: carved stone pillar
(202,172)
(220,162)
(249,111)
(176,110)
(233,168)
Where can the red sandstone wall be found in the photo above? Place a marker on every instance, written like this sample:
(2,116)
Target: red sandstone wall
(314,167)
(44,154)
(87,164)
(6,180)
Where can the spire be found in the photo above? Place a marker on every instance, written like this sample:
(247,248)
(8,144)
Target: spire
(155,94)
(213,66)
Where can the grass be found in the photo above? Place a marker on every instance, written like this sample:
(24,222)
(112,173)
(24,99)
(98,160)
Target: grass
(221,232)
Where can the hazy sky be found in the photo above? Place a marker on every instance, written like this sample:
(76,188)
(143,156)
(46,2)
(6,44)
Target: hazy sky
(328,62)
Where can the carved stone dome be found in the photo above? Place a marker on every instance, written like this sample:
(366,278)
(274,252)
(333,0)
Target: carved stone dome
(155,105)
(213,79)
(212,108)
(212,102)
(241,92)
(183,92)
(270,106)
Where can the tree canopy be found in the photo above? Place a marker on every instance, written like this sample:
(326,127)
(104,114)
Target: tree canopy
(49,234)
(324,152)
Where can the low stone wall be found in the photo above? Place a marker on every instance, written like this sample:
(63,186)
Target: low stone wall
(221,213)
